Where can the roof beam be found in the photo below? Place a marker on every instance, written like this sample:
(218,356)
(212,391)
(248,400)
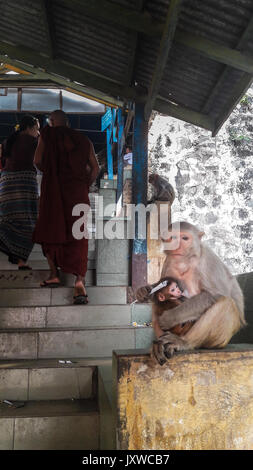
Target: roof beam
(17,78)
(162,106)
(215,51)
(47,19)
(240,46)
(39,74)
(184,114)
(239,91)
(133,44)
(164,49)
(67,71)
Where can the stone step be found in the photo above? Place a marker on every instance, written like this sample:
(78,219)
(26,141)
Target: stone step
(71,342)
(40,264)
(37,248)
(50,425)
(38,256)
(46,384)
(49,379)
(38,297)
(27,279)
(85,316)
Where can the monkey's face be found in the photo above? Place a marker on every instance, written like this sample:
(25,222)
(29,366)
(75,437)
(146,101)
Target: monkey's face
(179,243)
(151,179)
(172,291)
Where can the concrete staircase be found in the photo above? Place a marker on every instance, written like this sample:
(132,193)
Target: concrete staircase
(50,351)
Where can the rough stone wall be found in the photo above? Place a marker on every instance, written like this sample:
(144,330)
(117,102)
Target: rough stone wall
(213,179)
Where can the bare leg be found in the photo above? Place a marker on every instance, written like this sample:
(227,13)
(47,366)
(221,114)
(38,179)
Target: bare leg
(54,273)
(216,326)
(23,265)
(79,285)
(80,294)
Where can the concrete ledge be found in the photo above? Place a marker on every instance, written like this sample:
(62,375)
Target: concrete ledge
(199,400)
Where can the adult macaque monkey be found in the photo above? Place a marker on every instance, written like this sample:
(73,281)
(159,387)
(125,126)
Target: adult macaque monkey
(201,271)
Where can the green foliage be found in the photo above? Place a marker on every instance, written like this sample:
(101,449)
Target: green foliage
(236,137)
(245,101)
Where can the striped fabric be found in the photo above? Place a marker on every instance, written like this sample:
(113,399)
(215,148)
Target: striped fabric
(18,213)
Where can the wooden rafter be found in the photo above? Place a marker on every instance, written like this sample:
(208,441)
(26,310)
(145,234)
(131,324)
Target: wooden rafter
(216,52)
(160,105)
(39,75)
(133,44)
(245,81)
(164,49)
(32,82)
(185,114)
(16,69)
(66,71)
(47,20)
(239,91)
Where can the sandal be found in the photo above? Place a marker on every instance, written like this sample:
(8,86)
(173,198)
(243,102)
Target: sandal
(80,299)
(50,284)
(25,268)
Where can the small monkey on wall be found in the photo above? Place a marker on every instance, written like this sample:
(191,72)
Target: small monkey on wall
(163,190)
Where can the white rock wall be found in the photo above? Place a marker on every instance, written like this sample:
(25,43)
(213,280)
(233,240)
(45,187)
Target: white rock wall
(213,179)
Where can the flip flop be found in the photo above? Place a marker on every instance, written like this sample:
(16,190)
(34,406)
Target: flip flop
(25,268)
(50,284)
(80,299)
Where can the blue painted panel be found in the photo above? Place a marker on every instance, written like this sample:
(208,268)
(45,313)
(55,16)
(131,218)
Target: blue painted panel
(140,246)
(106,119)
(114,125)
(109,153)
(121,140)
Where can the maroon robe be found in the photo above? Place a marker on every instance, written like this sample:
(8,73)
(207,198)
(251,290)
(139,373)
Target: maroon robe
(64,184)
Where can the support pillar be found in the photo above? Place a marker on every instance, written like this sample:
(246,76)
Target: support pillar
(119,198)
(139,191)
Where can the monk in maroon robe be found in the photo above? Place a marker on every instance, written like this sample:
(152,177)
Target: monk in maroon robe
(69,165)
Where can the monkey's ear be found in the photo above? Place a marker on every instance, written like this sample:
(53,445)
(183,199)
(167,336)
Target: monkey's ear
(161,296)
(201,234)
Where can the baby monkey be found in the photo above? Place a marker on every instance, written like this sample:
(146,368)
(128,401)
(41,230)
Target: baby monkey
(166,296)
(168,293)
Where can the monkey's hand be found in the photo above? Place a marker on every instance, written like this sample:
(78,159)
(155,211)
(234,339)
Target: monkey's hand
(166,346)
(191,309)
(142,294)
(151,201)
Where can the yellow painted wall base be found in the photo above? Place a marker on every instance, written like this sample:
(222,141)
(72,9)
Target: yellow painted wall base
(198,400)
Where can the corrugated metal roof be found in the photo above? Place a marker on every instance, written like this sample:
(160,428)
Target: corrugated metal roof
(21,23)
(91,43)
(114,52)
(219,20)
